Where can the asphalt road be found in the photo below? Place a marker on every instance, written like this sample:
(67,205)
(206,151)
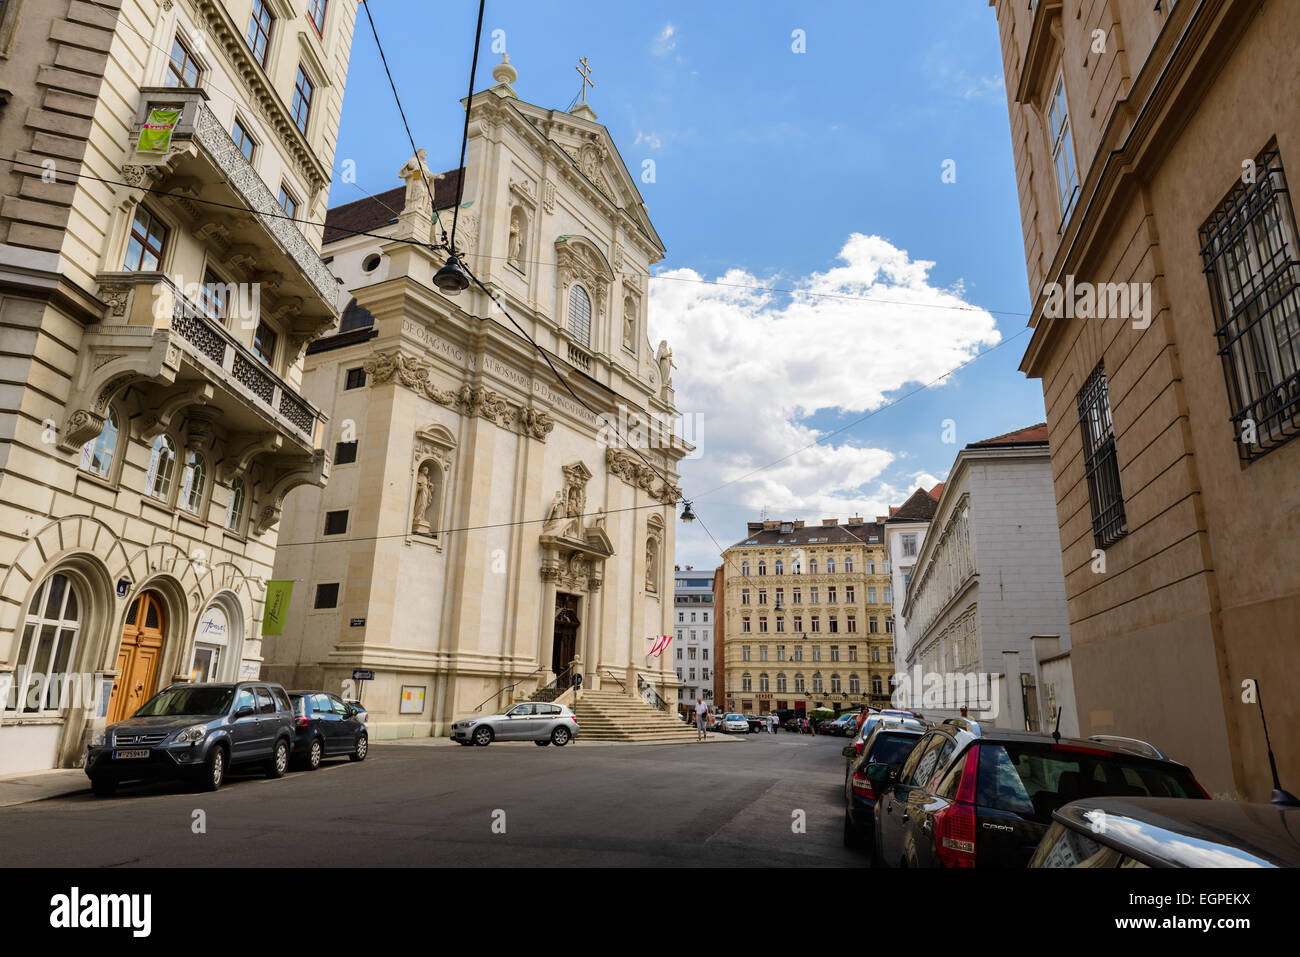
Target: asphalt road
(765,800)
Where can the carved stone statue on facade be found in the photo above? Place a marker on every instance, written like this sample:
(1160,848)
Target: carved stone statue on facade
(423,499)
(666,365)
(556,516)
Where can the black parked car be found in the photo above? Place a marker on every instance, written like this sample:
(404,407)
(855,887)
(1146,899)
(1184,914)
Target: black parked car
(195,732)
(969,796)
(325,726)
(887,743)
(1165,832)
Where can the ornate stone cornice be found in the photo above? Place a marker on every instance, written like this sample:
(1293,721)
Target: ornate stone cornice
(636,473)
(479,402)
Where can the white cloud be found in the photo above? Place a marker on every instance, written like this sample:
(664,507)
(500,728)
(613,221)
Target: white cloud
(756,363)
(984,86)
(665,42)
(649,139)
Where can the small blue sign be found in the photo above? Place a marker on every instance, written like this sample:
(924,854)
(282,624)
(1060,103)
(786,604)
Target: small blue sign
(363,675)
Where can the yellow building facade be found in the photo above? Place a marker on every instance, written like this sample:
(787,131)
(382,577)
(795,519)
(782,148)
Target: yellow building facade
(807,618)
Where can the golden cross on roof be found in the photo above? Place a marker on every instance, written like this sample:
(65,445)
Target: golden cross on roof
(584,71)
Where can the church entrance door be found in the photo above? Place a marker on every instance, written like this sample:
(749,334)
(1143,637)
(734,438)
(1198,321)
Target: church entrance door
(566,638)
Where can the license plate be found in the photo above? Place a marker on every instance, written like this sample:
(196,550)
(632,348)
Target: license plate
(121,755)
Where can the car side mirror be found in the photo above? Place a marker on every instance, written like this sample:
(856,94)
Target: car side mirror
(243,712)
(879,773)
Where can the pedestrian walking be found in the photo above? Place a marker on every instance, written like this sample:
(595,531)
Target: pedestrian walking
(701,711)
(771,723)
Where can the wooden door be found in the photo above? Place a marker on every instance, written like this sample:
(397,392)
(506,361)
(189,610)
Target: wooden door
(139,656)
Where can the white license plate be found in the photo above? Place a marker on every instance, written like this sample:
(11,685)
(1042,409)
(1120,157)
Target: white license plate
(119,755)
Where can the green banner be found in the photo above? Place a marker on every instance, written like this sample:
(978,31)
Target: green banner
(278,594)
(156,134)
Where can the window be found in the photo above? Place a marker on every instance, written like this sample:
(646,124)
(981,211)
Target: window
(97,454)
(49,640)
(746,682)
(287,202)
(909,544)
(780,652)
(798,684)
(345,453)
(762,625)
(214,296)
(871,595)
(817,683)
(815,626)
(235,506)
(812,596)
(848,568)
(889,630)
(780,683)
(762,568)
(192,481)
(1252,265)
(1101,464)
(744,568)
(356,379)
(1063,161)
(336,523)
(835,684)
(830,594)
(762,683)
(780,624)
(852,624)
(316,14)
(243,139)
(798,654)
(872,625)
(162,462)
(875,655)
(259,31)
(301,107)
(762,596)
(812,566)
(327,595)
(877,686)
(744,652)
(264,341)
(744,624)
(834,624)
(830,566)
(835,652)
(181,68)
(144,250)
(744,596)
(854,685)
(780,567)
(580,329)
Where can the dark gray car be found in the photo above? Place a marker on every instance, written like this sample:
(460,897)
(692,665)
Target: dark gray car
(195,732)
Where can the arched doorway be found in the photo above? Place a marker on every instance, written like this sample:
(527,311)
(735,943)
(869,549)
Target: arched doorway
(139,657)
(566,638)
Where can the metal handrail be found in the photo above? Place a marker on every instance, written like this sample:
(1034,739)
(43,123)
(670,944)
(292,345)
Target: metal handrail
(615,677)
(642,682)
(500,691)
(556,680)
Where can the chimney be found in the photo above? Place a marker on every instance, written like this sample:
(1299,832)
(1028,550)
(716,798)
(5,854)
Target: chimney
(771,526)
(856,520)
(829,521)
(755,527)
(799,524)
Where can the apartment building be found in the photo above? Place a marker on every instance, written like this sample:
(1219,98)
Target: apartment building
(1152,147)
(158,287)
(693,621)
(807,617)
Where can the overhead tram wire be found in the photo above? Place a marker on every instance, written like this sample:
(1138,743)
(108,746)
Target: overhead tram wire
(398,100)
(464,138)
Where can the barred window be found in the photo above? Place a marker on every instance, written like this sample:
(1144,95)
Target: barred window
(1101,464)
(1249,250)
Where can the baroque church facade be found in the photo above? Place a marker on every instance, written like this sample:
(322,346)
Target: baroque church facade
(485,534)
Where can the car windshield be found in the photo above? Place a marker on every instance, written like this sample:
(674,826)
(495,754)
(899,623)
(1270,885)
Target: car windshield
(735,717)
(1033,780)
(207,701)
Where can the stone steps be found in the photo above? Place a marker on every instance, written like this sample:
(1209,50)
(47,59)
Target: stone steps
(611,716)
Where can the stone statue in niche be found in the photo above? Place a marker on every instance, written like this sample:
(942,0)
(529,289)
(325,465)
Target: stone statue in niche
(424,491)
(650,561)
(629,323)
(515,250)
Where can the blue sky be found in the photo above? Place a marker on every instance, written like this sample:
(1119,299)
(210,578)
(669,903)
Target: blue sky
(768,162)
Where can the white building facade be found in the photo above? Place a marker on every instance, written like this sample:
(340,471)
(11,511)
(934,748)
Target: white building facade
(693,620)
(987,590)
(904,534)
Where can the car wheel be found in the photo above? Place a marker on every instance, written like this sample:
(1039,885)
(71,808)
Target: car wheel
(362,748)
(851,836)
(314,754)
(279,762)
(560,737)
(214,769)
(542,744)
(103,786)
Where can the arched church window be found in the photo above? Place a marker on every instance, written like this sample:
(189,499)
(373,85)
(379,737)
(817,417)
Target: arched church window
(580,315)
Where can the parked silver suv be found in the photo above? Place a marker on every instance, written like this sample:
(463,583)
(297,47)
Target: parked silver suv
(538,721)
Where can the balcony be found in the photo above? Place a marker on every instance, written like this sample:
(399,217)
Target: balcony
(204,166)
(195,375)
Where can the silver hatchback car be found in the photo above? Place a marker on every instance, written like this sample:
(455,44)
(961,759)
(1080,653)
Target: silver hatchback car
(537,721)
